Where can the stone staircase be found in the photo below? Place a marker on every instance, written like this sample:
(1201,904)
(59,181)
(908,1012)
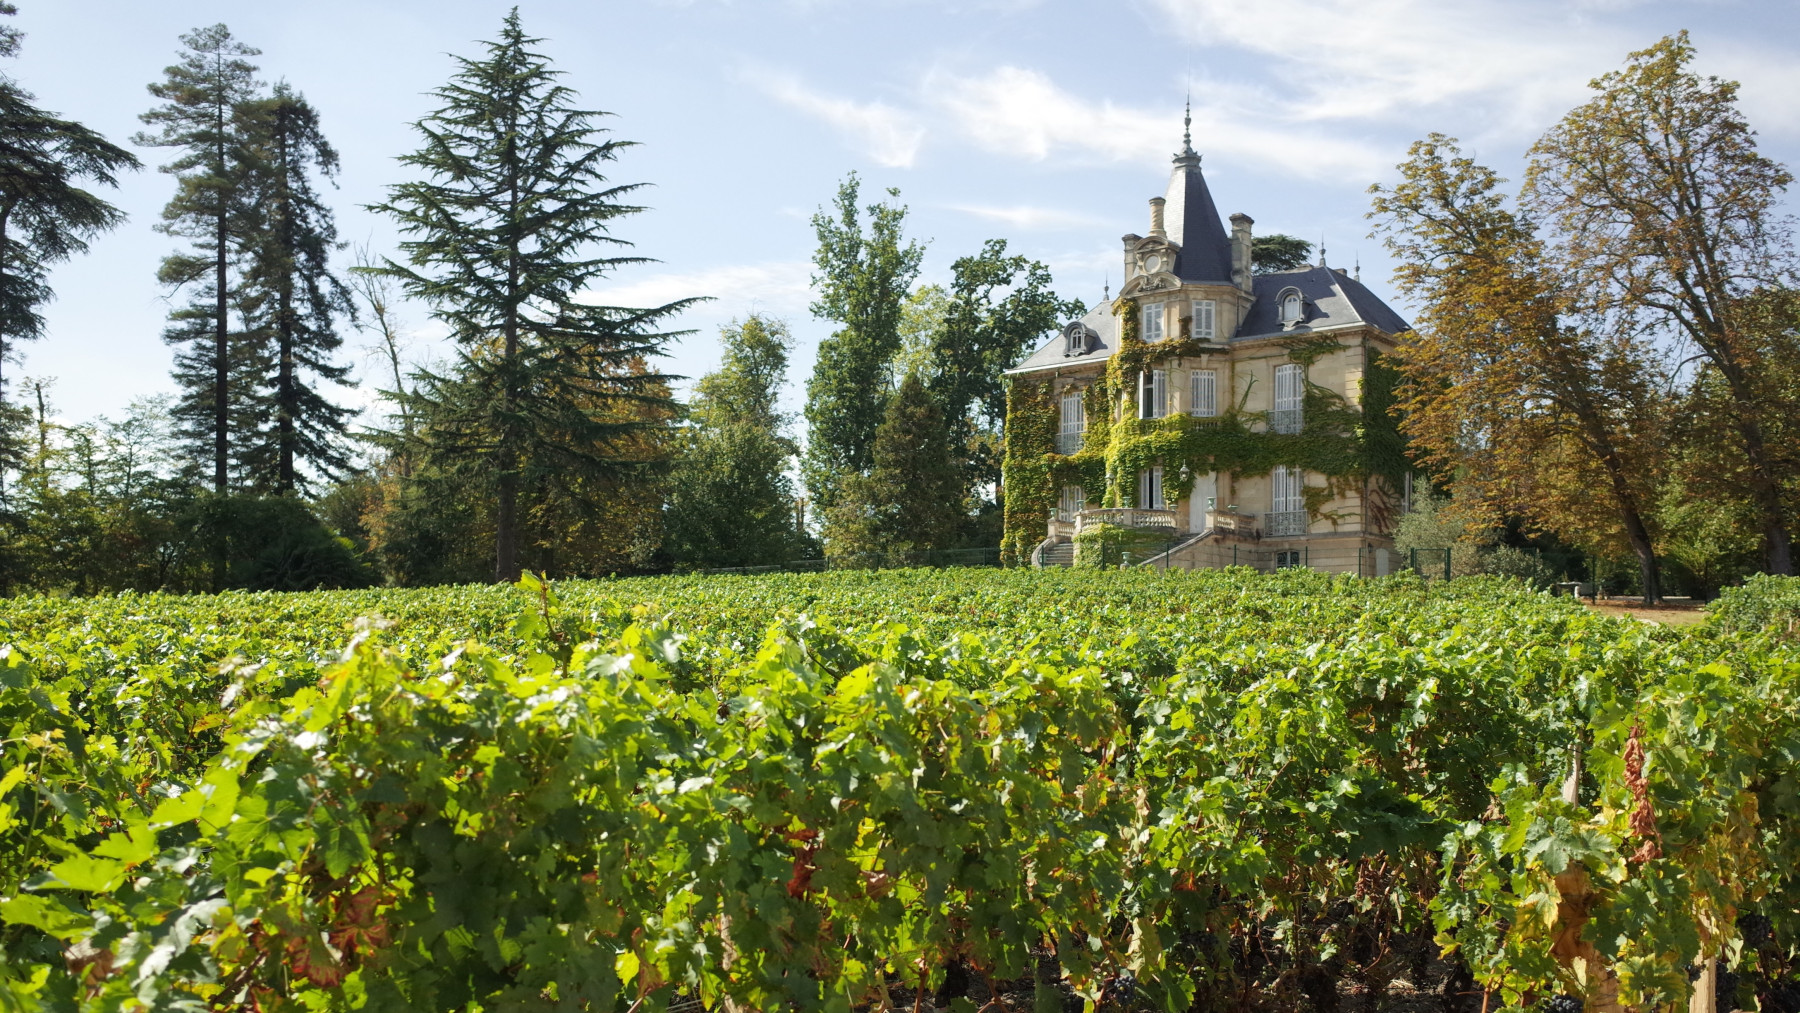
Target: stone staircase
(1054,554)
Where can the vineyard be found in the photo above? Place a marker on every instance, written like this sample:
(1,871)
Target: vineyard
(908,790)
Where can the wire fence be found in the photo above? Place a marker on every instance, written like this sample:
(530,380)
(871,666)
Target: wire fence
(874,561)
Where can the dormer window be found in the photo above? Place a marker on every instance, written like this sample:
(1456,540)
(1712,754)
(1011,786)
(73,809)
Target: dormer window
(1077,339)
(1293,308)
(1153,322)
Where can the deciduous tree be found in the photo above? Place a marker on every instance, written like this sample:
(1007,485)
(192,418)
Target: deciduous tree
(730,501)
(1663,206)
(999,307)
(862,281)
(1539,404)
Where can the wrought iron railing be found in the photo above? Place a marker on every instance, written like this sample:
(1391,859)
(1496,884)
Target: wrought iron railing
(1068,443)
(1287,420)
(1286,523)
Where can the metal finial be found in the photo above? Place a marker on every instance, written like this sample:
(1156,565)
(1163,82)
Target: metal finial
(1321,249)
(1107,297)
(1359,265)
(1187,125)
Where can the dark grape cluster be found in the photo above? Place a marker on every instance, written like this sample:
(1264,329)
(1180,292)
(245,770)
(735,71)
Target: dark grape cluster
(1563,1004)
(1756,929)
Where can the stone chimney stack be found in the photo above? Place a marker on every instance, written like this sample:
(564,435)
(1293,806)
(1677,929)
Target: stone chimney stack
(1241,267)
(1156,218)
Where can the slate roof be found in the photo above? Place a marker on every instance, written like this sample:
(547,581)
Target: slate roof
(1332,300)
(1192,222)
(1100,320)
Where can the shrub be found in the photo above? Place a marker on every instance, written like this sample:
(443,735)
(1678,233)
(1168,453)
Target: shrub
(1519,564)
(1765,603)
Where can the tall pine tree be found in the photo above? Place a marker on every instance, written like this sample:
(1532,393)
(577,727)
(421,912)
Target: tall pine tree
(206,116)
(46,213)
(293,295)
(502,234)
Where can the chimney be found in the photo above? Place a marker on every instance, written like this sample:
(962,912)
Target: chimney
(1156,218)
(1241,266)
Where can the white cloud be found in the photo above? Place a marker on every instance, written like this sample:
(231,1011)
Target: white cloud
(1513,65)
(1030,217)
(1013,110)
(779,287)
(887,135)
(1386,59)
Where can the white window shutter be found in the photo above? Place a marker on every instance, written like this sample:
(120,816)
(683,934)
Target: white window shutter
(1159,393)
(1203,319)
(1152,322)
(1203,399)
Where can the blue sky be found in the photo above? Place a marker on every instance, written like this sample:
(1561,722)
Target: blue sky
(1048,124)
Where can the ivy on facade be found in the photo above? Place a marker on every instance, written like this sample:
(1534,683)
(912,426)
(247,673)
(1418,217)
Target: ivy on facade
(1346,443)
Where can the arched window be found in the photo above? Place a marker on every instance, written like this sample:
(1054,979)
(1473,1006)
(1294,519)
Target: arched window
(1075,339)
(1291,307)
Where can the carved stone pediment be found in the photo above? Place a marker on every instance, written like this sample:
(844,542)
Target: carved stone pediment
(1157,282)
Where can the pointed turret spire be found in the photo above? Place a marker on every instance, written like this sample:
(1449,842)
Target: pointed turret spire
(1187,152)
(1193,223)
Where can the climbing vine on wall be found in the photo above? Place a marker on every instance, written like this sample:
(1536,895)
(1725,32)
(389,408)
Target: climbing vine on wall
(1346,443)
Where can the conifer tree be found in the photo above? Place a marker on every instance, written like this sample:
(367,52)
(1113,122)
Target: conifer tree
(206,117)
(730,501)
(862,282)
(911,499)
(501,237)
(46,213)
(296,299)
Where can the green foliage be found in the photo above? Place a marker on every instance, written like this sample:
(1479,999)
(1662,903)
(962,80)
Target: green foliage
(862,282)
(271,544)
(513,797)
(47,212)
(729,501)
(1277,252)
(1763,603)
(289,290)
(549,394)
(912,498)
(1520,564)
(1025,473)
(1433,524)
(1346,443)
(206,117)
(1105,546)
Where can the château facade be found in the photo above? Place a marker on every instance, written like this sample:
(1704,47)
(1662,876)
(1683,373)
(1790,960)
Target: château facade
(1209,415)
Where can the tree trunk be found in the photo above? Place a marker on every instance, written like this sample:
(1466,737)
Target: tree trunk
(506,520)
(221,337)
(1636,531)
(286,402)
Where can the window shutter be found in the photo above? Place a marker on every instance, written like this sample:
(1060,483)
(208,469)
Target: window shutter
(1153,322)
(1203,319)
(1159,393)
(1204,397)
